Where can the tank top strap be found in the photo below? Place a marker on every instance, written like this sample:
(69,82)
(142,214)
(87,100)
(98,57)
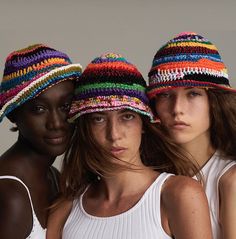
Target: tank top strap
(20,181)
(158,187)
(226,168)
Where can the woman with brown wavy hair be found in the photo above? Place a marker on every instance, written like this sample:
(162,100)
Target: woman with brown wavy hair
(113,174)
(190,92)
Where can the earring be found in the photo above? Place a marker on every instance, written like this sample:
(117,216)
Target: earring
(13,127)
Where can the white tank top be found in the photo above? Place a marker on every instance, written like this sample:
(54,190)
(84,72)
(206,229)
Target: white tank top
(212,171)
(37,231)
(142,221)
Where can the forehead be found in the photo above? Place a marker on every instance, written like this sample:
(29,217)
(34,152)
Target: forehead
(59,90)
(114,112)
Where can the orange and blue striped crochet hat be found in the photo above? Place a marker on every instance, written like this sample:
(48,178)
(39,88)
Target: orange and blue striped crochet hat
(188,60)
(30,71)
(110,82)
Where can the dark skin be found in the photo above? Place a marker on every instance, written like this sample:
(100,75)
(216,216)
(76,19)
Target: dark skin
(43,134)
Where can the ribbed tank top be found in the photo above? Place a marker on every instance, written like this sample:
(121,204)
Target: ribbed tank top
(142,221)
(37,231)
(212,171)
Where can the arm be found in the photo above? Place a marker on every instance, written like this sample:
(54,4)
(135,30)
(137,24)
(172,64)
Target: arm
(57,219)
(15,210)
(227,192)
(186,209)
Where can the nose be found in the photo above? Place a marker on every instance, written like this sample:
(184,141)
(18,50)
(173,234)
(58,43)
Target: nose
(178,105)
(113,130)
(56,120)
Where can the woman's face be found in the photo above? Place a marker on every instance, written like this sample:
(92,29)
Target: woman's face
(119,132)
(42,121)
(185,114)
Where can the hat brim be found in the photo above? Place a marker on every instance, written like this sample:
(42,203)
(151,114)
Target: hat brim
(40,84)
(157,88)
(109,103)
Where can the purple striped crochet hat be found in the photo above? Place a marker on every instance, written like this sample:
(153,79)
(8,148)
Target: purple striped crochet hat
(188,60)
(110,82)
(30,71)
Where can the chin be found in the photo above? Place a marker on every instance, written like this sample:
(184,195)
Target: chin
(54,151)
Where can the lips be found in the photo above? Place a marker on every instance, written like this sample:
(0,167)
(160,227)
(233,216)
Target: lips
(179,125)
(117,150)
(56,140)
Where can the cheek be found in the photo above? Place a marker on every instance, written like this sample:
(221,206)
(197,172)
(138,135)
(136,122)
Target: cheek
(163,115)
(98,134)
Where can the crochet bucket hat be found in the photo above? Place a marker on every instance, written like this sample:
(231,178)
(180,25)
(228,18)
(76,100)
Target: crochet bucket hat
(188,60)
(30,71)
(110,82)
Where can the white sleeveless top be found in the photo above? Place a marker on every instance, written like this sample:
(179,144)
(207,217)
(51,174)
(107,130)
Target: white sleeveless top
(212,171)
(37,231)
(142,221)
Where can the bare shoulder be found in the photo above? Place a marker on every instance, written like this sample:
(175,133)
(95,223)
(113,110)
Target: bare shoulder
(57,219)
(228,181)
(15,209)
(182,188)
(185,208)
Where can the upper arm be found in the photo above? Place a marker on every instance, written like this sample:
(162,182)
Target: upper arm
(57,219)
(227,191)
(15,210)
(187,209)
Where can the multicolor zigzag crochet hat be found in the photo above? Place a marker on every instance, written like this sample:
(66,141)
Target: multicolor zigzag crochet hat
(188,60)
(30,71)
(110,82)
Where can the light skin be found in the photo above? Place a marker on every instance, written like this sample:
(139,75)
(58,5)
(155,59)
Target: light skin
(120,132)
(43,134)
(185,114)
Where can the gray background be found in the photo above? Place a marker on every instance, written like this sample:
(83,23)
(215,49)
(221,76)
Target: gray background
(134,28)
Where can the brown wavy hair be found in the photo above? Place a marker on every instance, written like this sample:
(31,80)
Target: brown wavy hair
(223,121)
(86,160)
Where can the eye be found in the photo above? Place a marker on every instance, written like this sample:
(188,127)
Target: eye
(97,119)
(66,106)
(163,95)
(194,93)
(128,116)
(38,109)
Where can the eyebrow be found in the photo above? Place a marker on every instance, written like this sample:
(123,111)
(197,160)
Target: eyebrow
(121,111)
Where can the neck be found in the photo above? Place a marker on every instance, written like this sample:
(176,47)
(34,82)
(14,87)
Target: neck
(35,161)
(127,183)
(201,150)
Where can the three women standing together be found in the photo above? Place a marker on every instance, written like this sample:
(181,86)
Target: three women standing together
(118,177)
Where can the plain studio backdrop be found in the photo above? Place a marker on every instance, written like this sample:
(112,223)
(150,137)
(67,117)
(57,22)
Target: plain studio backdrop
(134,28)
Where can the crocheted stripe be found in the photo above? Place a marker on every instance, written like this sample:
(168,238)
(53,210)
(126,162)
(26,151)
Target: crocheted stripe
(201,64)
(25,77)
(108,85)
(184,50)
(110,65)
(186,57)
(103,60)
(123,78)
(106,92)
(191,44)
(33,59)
